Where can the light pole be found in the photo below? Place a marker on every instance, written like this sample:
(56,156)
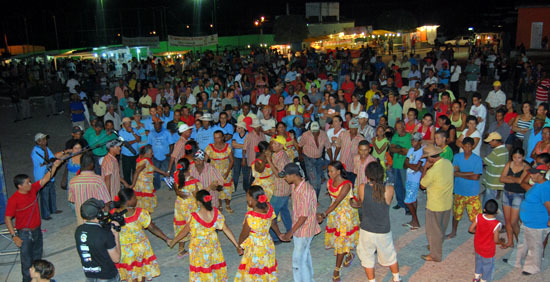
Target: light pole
(55,27)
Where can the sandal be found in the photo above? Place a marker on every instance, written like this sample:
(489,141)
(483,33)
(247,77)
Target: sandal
(336,278)
(182,253)
(414,228)
(348,260)
(228,209)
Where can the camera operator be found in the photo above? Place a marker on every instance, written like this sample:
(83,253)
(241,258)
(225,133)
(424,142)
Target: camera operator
(23,206)
(97,246)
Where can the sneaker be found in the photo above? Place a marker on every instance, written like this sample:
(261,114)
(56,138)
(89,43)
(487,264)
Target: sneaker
(396,207)
(476,280)
(526,273)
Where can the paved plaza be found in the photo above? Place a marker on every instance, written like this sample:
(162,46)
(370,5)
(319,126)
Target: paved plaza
(59,246)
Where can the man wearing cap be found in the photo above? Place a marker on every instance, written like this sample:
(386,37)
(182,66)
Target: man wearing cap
(179,147)
(534,213)
(438,180)
(304,222)
(23,206)
(110,170)
(311,147)
(239,164)
(87,185)
(251,140)
(97,247)
(468,168)
(41,156)
(496,98)
(205,134)
(161,140)
(76,135)
(494,165)
(346,145)
(281,191)
(128,158)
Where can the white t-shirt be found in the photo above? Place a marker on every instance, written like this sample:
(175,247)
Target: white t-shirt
(263,99)
(456,74)
(481,112)
(71,84)
(496,99)
(476,134)
(414,157)
(332,138)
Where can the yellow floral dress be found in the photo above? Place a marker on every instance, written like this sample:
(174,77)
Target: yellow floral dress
(289,149)
(342,230)
(137,259)
(258,262)
(144,189)
(220,160)
(265,179)
(184,207)
(206,262)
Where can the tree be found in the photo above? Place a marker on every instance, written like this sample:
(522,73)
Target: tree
(290,29)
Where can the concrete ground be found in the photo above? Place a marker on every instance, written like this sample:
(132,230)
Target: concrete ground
(59,246)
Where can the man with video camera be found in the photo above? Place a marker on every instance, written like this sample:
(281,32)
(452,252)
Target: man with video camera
(98,246)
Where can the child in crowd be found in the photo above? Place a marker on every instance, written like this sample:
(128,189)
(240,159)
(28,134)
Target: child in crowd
(413,163)
(486,228)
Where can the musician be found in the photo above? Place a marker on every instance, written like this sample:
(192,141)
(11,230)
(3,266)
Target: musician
(41,156)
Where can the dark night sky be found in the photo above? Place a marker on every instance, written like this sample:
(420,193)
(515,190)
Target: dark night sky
(76,20)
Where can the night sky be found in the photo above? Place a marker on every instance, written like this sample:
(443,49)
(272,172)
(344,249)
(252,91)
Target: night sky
(79,22)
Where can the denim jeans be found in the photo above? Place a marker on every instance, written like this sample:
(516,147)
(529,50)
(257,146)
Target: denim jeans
(399,185)
(238,169)
(48,205)
(314,171)
(162,165)
(97,166)
(302,267)
(280,204)
(495,195)
(58,101)
(30,250)
(128,167)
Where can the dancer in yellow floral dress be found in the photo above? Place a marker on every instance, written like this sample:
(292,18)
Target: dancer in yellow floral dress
(206,262)
(137,260)
(261,170)
(186,187)
(342,230)
(258,262)
(221,155)
(143,179)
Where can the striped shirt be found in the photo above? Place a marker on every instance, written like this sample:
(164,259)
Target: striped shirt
(282,188)
(179,150)
(304,203)
(348,148)
(208,175)
(312,149)
(495,163)
(250,141)
(359,169)
(110,166)
(85,186)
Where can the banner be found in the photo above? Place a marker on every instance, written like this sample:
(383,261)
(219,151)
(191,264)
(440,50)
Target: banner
(141,41)
(3,193)
(196,41)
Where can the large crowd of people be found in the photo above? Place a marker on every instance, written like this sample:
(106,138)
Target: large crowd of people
(285,126)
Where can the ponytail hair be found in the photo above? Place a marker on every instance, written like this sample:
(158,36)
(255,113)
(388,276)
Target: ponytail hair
(339,166)
(255,191)
(375,174)
(123,196)
(181,168)
(200,196)
(262,147)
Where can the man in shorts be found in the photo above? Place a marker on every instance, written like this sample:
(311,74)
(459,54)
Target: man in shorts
(468,168)
(413,164)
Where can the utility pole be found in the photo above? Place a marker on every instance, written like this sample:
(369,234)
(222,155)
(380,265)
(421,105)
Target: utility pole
(56,37)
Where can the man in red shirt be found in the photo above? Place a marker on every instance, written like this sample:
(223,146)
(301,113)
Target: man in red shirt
(23,206)
(348,86)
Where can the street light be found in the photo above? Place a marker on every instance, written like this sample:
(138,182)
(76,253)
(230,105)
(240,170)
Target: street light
(211,26)
(256,23)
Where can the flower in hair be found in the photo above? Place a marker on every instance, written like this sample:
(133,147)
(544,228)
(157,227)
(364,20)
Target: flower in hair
(344,165)
(256,149)
(207,198)
(117,198)
(179,167)
(188,147)
(262,198)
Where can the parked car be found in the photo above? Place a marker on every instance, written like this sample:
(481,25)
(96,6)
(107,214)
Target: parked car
(461,40)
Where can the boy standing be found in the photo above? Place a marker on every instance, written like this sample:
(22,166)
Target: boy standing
(486,228)
(413,164)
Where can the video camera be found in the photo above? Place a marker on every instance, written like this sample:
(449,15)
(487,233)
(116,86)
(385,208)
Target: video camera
(106,219)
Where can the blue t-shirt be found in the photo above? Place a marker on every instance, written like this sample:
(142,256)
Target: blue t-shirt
(533,140)
(444,76)
(148,123)
(463,186)
(238,153)
(161,142)
(37,156)
(227,130)
(141,132)
(166,119)
(415,157)
(205,137)
(129,137)
(77,106)
(532,211)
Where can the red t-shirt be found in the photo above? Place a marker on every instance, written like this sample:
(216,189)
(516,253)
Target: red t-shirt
(484,242)
(24,208)
(190,120)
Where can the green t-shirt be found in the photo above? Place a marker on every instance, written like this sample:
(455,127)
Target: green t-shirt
(403,142)
(128,112)
(93,139)
(472,71)
(394,112)
(447,153)
(421,113)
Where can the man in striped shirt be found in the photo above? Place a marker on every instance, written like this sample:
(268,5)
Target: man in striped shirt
(254,136)
(346,145)
(304,223)
(494,165)
(87,185)
(281,192)
(311,147)
(179,147)
(110,170)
